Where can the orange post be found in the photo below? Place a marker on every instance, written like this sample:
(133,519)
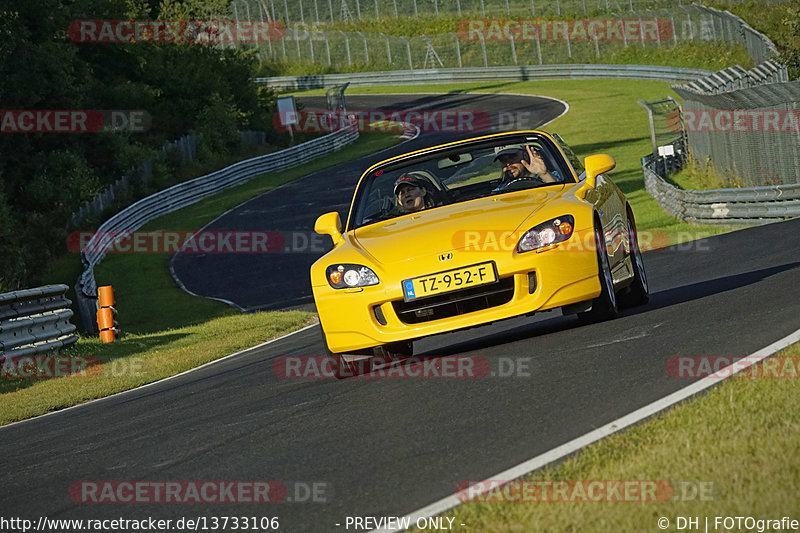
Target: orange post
(105,296)
(105,315)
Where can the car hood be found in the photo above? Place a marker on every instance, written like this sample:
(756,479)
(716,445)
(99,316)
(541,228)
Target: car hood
(442,229)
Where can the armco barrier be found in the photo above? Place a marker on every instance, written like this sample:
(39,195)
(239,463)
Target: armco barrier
(188,193)
(35,321)
(479,74)
(722,206)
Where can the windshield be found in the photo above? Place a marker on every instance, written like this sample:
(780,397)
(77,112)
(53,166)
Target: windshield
(457,174)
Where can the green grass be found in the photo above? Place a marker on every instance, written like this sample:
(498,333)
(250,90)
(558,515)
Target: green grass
(135,360)
(780,21)
(702,175)
(738,442)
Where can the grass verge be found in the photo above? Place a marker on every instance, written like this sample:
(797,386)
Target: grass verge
(712,450)
(135,360)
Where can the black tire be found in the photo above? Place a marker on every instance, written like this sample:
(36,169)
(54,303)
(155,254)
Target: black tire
(605,306)
(638,292)
(388,353)
(343,365)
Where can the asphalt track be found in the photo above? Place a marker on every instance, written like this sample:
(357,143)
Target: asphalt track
(280,280)
(390,446)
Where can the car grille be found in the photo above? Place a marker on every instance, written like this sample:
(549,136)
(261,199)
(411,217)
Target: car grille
(455,303)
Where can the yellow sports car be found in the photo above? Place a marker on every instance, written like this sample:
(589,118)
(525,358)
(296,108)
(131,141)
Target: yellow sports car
(468,233)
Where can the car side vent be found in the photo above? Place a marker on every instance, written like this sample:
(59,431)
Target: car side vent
(379,315)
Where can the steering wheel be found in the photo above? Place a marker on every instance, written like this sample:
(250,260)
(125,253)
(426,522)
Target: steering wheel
(507,184)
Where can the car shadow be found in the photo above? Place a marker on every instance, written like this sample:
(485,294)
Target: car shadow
(659,300)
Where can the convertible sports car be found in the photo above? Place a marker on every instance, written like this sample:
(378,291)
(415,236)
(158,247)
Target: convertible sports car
(468,233)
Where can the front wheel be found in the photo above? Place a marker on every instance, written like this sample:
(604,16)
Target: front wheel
(391,352)
(343,365)
(638,293)
(605,306)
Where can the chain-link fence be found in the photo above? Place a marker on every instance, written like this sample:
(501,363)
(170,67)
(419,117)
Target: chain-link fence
(500,42)
(751,134)
(667,135)
(293,12)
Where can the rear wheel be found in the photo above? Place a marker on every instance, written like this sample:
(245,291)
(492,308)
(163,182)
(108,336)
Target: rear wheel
(638,292)
(605,306)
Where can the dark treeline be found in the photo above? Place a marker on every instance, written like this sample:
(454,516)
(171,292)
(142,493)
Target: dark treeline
(185,88)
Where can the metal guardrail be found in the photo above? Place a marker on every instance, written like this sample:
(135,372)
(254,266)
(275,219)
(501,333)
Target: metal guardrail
(478,74)
(736,77)
(188,193)
(35,321)
(721,206)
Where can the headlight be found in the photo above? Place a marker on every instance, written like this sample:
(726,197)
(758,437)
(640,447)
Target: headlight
(346,276)
(547,233)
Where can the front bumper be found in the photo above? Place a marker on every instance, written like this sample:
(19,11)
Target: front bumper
(354,319)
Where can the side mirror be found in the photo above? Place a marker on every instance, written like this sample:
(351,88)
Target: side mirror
(330,224)
(595,165)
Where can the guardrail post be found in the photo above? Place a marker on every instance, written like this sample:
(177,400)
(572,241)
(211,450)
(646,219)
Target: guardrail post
(458,45)
(408,49)
(327,47)
(483,49)
(388,48)
(106,313)
(347,47)
(366,50)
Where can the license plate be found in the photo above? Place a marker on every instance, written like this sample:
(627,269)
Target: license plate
(449,280)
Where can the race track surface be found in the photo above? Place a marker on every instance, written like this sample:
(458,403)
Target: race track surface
(390,446)
(386,447)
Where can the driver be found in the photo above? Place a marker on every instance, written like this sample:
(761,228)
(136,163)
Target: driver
(519,164)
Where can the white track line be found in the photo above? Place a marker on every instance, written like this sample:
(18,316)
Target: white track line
(572,446)
(215,361)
